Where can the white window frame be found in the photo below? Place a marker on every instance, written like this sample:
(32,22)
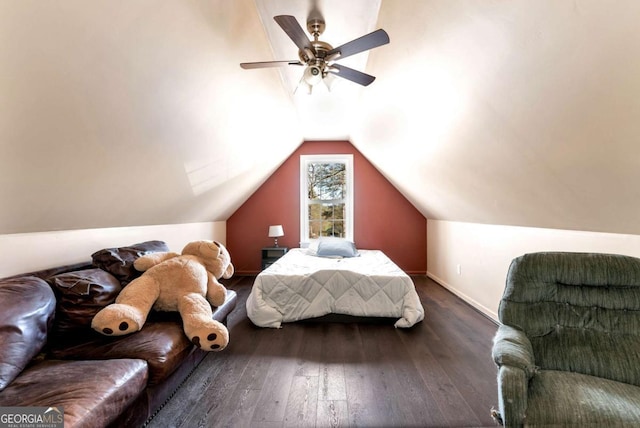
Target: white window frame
(305,160)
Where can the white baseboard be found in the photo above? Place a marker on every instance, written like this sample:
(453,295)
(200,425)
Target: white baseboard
(480,308)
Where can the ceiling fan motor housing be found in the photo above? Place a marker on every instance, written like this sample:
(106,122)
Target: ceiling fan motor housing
(321,49)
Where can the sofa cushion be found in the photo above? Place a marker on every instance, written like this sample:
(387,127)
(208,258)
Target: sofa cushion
(119,261)
(162,344)
(91,393)
(80,295)
(27,307)
(558,398)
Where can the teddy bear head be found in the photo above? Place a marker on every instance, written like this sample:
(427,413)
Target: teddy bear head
(213,255)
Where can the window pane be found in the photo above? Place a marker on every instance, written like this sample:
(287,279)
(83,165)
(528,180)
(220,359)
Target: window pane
(333,228)
(314,229)
(338,229)
(327,181)
(315,211)
(327,211)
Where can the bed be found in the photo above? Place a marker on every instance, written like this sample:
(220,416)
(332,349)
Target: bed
(302,285)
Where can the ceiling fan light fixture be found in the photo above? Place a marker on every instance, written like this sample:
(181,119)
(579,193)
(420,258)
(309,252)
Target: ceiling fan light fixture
(312,75)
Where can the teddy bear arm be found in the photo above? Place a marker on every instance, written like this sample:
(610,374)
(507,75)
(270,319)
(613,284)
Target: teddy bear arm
(147,261)
(216,292)
(129,312)
(141,293)
(199,325)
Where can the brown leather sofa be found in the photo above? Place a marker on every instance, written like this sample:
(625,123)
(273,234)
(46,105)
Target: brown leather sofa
(50,356)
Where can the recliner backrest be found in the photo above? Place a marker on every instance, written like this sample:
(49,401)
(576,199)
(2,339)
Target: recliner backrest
(581,311)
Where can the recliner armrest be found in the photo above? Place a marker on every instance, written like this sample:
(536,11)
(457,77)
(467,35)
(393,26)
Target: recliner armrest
(513,387)
(511,347)
(513,353)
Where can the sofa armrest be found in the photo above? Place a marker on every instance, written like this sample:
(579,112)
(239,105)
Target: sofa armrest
(511,347)
(513,354)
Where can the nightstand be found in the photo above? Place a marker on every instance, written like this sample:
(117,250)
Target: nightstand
(271,254)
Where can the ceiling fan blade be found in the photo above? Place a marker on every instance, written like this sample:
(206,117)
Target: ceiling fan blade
(356,76)
(366,42)
(266,64)
(295,32)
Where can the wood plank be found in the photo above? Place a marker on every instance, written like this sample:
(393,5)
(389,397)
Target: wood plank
(302,404)
(332,384)
(307,362)
(415,396)
(442,391)
(371,384)
(332,414)
(284,345)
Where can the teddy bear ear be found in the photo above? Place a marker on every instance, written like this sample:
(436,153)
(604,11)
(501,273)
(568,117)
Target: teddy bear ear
(229,272)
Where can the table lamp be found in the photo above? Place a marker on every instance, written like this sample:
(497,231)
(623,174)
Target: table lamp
(275,232)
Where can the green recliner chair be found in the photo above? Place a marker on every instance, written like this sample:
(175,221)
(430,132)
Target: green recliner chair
(568,349)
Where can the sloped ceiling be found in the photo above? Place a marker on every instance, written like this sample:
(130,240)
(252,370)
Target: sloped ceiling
(510,112)
(503,112)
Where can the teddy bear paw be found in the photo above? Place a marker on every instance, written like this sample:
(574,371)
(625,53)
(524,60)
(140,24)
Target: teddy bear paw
(114,321)
(120,328)
(210,339)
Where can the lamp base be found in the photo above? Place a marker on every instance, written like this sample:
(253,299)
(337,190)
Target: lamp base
(275,244)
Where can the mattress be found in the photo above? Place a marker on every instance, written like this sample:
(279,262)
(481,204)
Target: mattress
(301,286)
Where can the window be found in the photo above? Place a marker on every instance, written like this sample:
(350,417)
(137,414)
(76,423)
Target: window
(326,198)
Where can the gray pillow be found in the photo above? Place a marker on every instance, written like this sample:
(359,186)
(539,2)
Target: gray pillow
(337,248)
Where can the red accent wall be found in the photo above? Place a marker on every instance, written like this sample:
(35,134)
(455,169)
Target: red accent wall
(383,218)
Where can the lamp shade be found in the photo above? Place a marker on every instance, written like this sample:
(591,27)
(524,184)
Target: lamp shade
(275,231)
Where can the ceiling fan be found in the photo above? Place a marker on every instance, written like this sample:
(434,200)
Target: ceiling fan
(319,57)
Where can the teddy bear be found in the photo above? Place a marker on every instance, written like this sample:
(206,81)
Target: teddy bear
(187,283)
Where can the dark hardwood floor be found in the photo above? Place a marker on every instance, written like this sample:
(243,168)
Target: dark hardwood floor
(438,373)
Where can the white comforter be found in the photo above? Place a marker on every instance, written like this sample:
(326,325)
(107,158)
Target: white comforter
(300,286)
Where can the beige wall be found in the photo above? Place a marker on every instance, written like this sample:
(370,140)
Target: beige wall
(25,252)
(484,252)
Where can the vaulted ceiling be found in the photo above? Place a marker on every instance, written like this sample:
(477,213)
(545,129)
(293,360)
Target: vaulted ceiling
(503,112)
